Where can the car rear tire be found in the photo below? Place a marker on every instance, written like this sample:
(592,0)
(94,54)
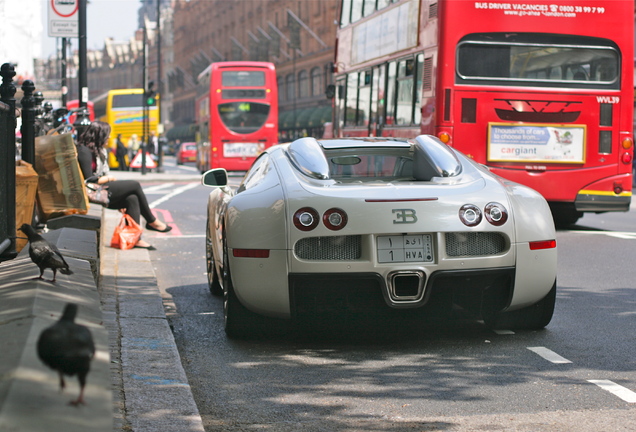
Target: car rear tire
(534,317)
(214,283)
(240,323)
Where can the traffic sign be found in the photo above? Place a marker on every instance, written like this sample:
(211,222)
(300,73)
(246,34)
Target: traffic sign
(63,18)
(136,162)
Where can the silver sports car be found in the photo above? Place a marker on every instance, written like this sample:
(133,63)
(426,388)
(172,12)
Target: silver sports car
(372,224)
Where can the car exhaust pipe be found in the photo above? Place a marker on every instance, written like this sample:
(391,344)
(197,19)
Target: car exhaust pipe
(406,286)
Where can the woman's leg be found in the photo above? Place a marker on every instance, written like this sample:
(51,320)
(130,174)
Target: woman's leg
(125,193)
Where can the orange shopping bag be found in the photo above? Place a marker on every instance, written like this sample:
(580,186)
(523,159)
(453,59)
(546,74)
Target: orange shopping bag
(126,234)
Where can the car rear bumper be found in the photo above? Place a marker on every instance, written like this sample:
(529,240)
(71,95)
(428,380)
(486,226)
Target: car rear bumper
(476,291)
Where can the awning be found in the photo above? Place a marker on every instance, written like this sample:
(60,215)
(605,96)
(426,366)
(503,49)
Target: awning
(285,120)
(320,116)
(302,117)
(305,117)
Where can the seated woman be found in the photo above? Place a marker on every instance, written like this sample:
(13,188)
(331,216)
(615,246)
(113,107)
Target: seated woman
(127,195)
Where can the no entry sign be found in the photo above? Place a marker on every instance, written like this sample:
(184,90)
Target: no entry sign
(63,18)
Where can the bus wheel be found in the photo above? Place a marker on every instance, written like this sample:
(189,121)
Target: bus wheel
(534,317)
(565,217)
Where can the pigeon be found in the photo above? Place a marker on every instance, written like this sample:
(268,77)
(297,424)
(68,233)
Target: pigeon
(44,254)
(68,348)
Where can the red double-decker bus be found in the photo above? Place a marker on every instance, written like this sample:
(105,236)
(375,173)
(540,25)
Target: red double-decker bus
(236,114)
(539,91)
(74,104)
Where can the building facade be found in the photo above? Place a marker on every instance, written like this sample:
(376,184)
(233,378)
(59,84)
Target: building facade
(297,36)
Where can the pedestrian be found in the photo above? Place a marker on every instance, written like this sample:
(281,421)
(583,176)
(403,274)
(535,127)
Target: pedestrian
(133,146)
(121,153)
(124,194)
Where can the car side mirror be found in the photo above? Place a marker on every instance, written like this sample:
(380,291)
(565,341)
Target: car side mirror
(216,177)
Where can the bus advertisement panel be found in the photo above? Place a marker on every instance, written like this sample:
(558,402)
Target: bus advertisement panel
(236,114)
(541,92)
(123,110)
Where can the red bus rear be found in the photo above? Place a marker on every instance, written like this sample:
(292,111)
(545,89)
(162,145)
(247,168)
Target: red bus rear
(539,91)
(236,113)
(72,104)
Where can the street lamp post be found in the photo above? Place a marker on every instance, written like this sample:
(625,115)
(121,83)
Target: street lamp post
(83,76)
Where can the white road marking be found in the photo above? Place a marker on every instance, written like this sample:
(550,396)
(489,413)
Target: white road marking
(158,188)
(549,355)
(617,234)
(172,237)
(172,194)
(617,390)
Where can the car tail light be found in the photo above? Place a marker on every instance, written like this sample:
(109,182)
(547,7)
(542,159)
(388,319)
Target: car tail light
(627,143)
(544,244)
(496,213)
(306,219)
(251,253)
(335,219)
(470,215)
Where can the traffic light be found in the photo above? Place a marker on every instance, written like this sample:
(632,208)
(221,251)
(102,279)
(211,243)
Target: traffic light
(150,95)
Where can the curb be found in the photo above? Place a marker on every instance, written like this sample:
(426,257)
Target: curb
(155,394)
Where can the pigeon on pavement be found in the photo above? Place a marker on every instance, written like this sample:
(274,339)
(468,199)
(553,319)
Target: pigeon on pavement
(44,254)
(67,348)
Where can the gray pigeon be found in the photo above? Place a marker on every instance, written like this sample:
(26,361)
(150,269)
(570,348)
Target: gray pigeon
(67,348)
(44,254)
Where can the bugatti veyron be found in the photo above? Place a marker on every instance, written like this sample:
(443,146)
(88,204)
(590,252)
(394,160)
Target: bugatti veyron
(365,225)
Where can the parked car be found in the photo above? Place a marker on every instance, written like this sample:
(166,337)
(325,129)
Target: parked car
(187,152)
(371,224)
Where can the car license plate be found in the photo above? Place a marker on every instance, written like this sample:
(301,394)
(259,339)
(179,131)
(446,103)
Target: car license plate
(405,248)
(240,149)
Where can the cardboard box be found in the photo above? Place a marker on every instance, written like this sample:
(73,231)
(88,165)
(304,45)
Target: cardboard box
(61,189)
(26,186)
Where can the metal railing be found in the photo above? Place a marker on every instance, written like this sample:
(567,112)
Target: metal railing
(32,125)
(7,163)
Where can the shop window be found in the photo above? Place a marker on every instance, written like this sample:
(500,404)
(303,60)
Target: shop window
(316,82)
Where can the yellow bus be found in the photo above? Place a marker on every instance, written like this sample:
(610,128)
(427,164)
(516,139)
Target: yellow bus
(122,109)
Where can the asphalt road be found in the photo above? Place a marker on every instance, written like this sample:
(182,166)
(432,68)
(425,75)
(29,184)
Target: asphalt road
(578,374)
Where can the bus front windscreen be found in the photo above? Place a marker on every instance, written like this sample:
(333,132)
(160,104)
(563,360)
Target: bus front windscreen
(533,60)
(243,117)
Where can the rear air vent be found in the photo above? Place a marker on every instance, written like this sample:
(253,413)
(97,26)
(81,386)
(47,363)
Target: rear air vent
(605,142)
(469,110)
(475,244)
(337,248)
(606,114)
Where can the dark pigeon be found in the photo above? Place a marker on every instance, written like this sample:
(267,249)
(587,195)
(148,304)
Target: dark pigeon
(44,254)
(68,348)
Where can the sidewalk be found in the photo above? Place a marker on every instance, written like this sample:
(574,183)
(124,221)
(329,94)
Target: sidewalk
(136,382)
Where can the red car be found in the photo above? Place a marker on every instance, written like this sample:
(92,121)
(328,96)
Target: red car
(187,152)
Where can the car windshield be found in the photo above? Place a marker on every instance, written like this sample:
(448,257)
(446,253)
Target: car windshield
(369,164)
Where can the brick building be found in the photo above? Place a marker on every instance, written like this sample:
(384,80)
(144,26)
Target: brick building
(195,33)
(206,31)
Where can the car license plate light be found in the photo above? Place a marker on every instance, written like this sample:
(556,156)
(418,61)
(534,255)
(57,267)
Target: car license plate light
(405,248)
